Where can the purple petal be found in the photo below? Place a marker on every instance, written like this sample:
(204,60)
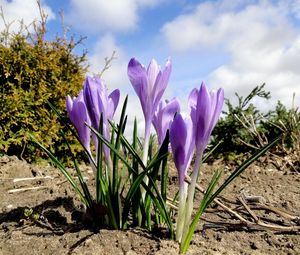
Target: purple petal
(79,116)
(192,103)
(138,78)
(83,130)
(164,116)
(161,83)
(205,114)
(182,144)
(98,101)
(113,101)
(203,102)
(177,139)
(192,100)
(217,99)
(218,106)
(190,142)
(69,104)
(152,73)
(157,120)
(91,97)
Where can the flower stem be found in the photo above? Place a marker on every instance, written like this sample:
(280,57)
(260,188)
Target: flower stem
(145,154)
(190,196)
(146,142)
(181,211)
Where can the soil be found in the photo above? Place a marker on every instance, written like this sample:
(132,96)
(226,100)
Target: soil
(55,231)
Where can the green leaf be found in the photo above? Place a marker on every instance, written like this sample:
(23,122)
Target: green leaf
(111,147)
(99,171)
(204,203)
(131,192)
(79,175)
(61,167)
(122,124)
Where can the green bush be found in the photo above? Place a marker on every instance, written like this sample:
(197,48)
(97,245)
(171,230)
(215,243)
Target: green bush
(244,129)
(231,131)
(287,121)
(32,71)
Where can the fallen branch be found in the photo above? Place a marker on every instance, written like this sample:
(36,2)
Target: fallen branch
(256,204)
(32,178)
(26,189)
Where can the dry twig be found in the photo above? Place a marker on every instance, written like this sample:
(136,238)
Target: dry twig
(254,204)
(26,189)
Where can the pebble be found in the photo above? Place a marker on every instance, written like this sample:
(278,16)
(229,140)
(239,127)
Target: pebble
(130,253)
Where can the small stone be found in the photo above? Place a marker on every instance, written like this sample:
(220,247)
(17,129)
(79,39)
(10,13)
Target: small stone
(253,246)
(130,253)
(218,237)
(88,242)
(5,227)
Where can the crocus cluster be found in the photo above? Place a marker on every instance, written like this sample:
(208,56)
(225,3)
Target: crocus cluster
(86,109)
(188,137)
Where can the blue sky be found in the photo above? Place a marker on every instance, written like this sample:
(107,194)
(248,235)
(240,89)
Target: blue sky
(232,44)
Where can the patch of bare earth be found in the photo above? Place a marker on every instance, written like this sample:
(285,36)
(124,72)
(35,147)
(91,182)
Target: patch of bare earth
(58,232)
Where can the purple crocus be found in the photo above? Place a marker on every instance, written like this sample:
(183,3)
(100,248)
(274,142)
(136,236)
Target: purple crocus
(182,144)
(164,116)
(78,114)
(149,84)
(205,109)
(98,101)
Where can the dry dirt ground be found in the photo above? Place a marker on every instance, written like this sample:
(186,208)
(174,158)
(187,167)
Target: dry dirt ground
(56,232)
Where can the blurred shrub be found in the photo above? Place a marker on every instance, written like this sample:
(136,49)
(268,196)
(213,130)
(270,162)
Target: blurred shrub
(244,128)
(231,131)
(32,71)
(284,120)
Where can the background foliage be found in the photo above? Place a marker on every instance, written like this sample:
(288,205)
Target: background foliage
(32,71)
(244,128)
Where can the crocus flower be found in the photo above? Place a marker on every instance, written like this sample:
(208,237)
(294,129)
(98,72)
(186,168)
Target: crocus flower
(205,111)
(182,144)
(149,84)
(164,116)
(98,101)
(78,114)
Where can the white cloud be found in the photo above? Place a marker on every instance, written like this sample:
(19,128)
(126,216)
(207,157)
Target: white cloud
(294,5)
(26,11)
(116,77)
(227,23)
(262,43)
(102,15)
